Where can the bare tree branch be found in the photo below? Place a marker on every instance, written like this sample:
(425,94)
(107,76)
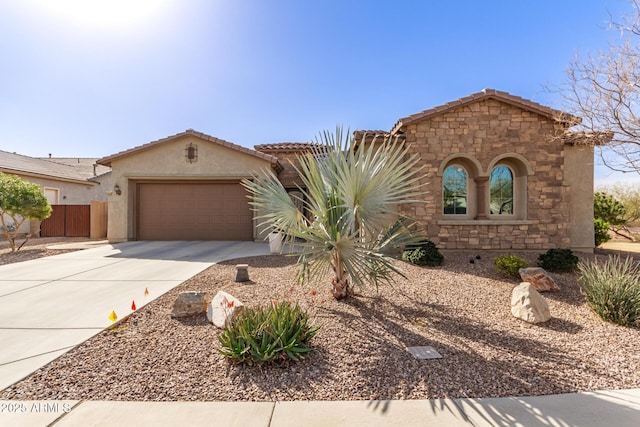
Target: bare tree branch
(604,90)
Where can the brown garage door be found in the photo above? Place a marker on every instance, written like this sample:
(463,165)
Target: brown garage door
(193,211)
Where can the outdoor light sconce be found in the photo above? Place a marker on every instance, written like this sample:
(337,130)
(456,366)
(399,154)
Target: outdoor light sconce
(116,189)
(191,153)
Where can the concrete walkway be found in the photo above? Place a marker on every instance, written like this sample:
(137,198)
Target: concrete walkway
(607,408)
(50,305)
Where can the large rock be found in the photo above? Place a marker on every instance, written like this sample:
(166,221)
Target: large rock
(539,279)
(527,304)
(190,304)
(223,308)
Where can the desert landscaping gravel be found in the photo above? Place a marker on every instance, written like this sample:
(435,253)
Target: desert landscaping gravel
(34,248)
(461,309)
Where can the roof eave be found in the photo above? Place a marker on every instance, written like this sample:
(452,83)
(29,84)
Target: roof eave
(560,116)
(45,176)
(106,161)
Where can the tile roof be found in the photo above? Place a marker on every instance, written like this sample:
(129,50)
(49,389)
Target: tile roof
(488,94)
(86,167)
(586,138)
(25,165)
(287,147)
(374,134)
(108,159)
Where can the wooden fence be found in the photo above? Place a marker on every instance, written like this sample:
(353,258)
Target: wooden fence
(98,220)
(67,221)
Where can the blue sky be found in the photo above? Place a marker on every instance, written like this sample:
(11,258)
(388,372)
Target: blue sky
(89,81)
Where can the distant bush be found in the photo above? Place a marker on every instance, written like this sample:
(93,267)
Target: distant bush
(509,265)
(276,333)
(612,289)
(558,260)
(601,231)
(424,253)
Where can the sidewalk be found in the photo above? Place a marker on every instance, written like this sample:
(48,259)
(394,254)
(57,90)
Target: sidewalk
(613,408)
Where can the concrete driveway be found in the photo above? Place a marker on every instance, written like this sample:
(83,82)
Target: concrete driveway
(50,305)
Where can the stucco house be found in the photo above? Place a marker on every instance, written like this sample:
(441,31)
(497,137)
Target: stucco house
(64,181)
(501,172)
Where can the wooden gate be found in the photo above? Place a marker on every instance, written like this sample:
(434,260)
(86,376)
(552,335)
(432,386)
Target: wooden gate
(67,221)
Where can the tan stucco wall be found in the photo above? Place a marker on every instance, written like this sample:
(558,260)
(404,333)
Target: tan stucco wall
(578,177)
(167,161)
(71,193)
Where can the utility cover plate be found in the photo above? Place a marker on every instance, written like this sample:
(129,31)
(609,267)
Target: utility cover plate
(425,352)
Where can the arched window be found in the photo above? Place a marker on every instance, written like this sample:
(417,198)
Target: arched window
(454,190)
(501,191)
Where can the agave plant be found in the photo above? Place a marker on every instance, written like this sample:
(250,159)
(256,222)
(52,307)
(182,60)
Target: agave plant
(350,194)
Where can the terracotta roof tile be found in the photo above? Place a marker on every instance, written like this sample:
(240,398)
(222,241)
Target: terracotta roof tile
(374,134)
(107,160)
(287,147)
(488,94)
(586,138)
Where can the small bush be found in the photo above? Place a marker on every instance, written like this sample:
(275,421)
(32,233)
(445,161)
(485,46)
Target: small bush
(424,253)
(558,260)
(601,231)
(612,289)
(509,265)
(274,334)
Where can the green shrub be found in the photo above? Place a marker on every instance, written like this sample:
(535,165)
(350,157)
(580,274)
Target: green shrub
(509,265)
(558,260)
(601,231)
(424,253)
(612,289)
(275,334)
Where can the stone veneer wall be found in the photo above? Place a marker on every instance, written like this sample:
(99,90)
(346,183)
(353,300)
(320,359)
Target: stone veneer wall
(485,130)
(288,176)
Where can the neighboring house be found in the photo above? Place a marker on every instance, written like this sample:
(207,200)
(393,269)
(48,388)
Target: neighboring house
(62,182)
(500,172)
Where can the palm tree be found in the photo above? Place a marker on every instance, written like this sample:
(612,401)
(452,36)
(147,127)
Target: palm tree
(350,223)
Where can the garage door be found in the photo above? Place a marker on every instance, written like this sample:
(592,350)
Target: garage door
(193,211)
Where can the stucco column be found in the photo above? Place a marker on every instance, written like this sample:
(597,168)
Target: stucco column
(481,191)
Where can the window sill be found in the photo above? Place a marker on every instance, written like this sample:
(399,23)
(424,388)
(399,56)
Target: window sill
(485,222)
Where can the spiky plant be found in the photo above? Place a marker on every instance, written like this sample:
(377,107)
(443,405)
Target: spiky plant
(350,194)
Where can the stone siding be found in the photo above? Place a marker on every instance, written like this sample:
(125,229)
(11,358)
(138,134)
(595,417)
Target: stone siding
(288,175)
(486,133)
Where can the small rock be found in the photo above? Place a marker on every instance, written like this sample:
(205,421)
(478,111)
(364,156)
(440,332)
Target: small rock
(527,304)
(539,279)
(471,261)
(190,304)
(223,308)
(242,273)
(478,257)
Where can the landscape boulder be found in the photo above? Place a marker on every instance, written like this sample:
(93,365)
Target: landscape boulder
(190,304)
(223,308)
(527,304)
(539,279)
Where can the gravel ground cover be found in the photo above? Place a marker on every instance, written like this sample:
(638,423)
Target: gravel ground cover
(460,309)
(34,248)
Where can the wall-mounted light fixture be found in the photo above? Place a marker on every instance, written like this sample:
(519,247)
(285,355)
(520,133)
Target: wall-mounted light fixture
(116,189)
(191,153)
